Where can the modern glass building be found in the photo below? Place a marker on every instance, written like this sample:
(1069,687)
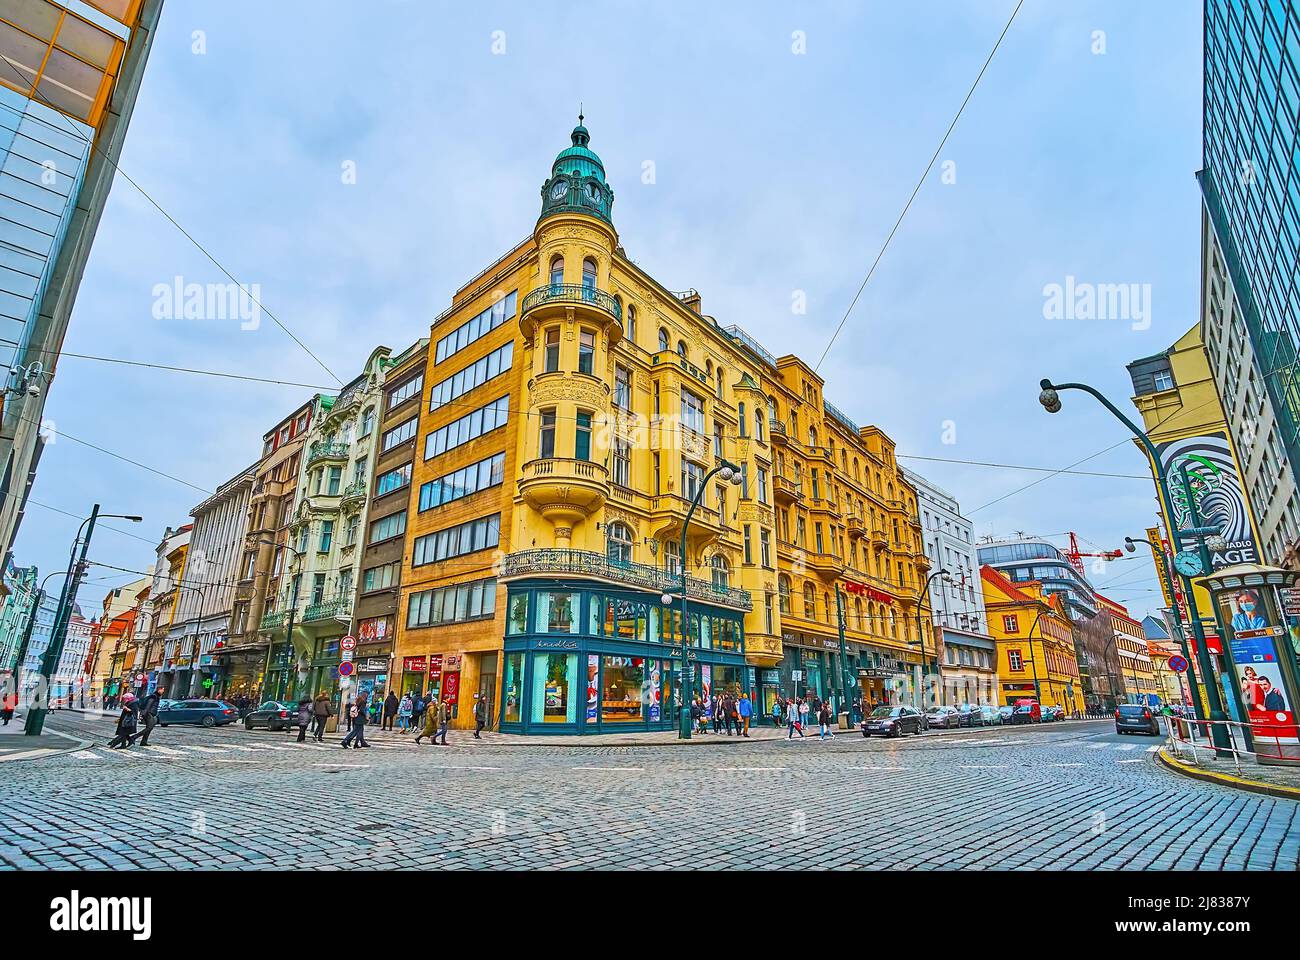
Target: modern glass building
(69,73)
(1250,183)
(1030,559)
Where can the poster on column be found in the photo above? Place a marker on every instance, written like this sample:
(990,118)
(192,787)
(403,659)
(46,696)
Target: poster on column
(1259,674)
(1216,490)
(593,685)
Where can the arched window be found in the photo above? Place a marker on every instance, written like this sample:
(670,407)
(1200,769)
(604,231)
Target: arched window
(631,323)
(618,543)
(719,383)
(721,572)
(759,417)
(893,624)
(557,270)
(681,348)
(708,368)
(809,602)
(783,590)
(826,604)
(857,603)
(672,558)
(740,407)
(812,437)
(663,339)
(588,276)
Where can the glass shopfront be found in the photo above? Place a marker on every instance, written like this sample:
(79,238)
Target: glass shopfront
(580,659)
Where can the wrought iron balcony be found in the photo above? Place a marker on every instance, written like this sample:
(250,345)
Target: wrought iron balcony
(326,451)
(585,563)
(567,293)
(339,607)
(354,492)
(786,489)
(272,620)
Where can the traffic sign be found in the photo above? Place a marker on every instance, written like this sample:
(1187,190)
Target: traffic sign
(139,678)
(346,668)
(348,643)
(1177,663)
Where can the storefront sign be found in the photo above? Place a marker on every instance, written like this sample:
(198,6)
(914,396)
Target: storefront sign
(414,664)
(451,687)
(373,665)
(770,676)
(556,643)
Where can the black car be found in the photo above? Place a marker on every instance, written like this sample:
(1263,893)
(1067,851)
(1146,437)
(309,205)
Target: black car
(207,713)
(273,714)
(1135,718)
(892,722)
(968,715)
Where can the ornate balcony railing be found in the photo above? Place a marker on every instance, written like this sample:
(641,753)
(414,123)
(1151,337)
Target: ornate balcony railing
(586,563)
(272,620)
(327,451)
(355,491)
(328,609)
(572,293)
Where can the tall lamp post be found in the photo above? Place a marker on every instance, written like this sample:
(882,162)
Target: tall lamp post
(1033,658)
(293,608)
(729,472)
(1165,571)
(920,637)
(1050,398)
(35,722)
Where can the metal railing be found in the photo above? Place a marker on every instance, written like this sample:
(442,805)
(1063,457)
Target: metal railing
(327,451)
(572,293)
(326,609)
(559,560)
(1188,736)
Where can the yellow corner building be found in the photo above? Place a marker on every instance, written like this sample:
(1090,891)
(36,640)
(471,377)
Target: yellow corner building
(575,409)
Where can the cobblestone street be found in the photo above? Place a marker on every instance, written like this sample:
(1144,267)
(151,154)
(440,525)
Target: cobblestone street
(1060,796)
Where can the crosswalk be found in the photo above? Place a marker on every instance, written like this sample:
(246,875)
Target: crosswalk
(228,753)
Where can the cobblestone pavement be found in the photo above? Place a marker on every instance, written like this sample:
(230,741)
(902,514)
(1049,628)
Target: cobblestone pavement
(1059,796)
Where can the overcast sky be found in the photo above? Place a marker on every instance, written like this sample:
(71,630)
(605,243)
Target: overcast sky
(774,171)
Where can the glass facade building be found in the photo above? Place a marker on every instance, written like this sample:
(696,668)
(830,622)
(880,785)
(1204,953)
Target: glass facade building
(1250,182)
(1023,560)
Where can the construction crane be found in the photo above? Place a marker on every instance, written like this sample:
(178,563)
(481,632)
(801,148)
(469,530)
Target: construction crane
(1076,557)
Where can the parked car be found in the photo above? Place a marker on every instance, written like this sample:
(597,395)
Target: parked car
(943,718)
(990,717)
(1004,714)
(893,722)
(273,714)
(1048,713)
(968,715)
(1027,711)
(207,713)
(1136,718)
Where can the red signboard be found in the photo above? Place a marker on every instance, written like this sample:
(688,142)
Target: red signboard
(414,664)
(450,686)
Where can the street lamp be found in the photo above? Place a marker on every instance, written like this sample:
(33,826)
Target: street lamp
(730,472)
(920,636)
(293,608)
(1165,569)
(76,568)
(1050,398)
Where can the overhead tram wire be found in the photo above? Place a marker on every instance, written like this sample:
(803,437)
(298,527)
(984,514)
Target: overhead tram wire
(920,183)
(185,233)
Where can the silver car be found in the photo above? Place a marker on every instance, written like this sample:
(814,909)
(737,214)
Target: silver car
(992,716)
(942,718)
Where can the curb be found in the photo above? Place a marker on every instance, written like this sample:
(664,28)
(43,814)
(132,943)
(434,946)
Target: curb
(77,744)
(1226,779)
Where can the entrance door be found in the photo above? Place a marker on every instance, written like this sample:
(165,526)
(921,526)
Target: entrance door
(487,685)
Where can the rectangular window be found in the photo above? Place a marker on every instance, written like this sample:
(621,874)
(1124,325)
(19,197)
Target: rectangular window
(657,478)
(586,351)
(335,481)
(393,480)
(765,548)
(453,604)
(469,427)
(551,350)
(692,478)
(470,537)
(692,411)
(405,391)
(582,436)
(557,612)
(326,536)
(399,434)
(1014,659)
(1010,624)
(386,528)
(623,388)
(475,375)
(512,688)
(463,482)
(381,577)
(555,688)
(622,462)
(749,551)
(471,330)
(546,436)
(762,485)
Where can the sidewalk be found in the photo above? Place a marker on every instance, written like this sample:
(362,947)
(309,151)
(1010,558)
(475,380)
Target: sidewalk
(15,745)
(1273,781)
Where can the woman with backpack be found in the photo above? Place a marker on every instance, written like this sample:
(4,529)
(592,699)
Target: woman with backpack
(126,723)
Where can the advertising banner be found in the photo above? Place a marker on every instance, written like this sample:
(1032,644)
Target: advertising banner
(593,685)
(1217,491)
(1258,672)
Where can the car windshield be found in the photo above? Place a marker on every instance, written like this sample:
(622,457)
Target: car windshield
(883,712)
(1131,710)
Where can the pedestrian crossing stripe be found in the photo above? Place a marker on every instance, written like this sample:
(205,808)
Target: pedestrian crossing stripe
(1126,746)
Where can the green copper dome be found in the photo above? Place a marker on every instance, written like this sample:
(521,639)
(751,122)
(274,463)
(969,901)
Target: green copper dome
(577,181)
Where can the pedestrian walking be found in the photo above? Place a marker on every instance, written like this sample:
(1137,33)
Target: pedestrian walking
(824,721)
(715,711)
(418,706)
(148,714)
(697,715)
(8,701)
(444,718)
(792,719)
(126,723)
(404,714)
(430,728)
(480,715)
(391,706)
(357,714)
(745,711)
(778,712)
(803,713)
(305,713)
(321,711)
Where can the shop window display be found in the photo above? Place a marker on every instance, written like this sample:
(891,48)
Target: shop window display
(557,613)
(555,681)
(624,690)
(512,683)
(517,614)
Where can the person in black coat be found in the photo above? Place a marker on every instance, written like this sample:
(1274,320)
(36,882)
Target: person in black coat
(148,714)
(126,723)
(391,704)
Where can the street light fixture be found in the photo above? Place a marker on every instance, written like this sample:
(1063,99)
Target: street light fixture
(920,638)
(731,473)
(293,608)
(35,722)
(1050,398)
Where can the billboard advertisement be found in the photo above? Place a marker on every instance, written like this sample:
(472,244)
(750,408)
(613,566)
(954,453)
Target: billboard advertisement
(1259,675)
(1216,488)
